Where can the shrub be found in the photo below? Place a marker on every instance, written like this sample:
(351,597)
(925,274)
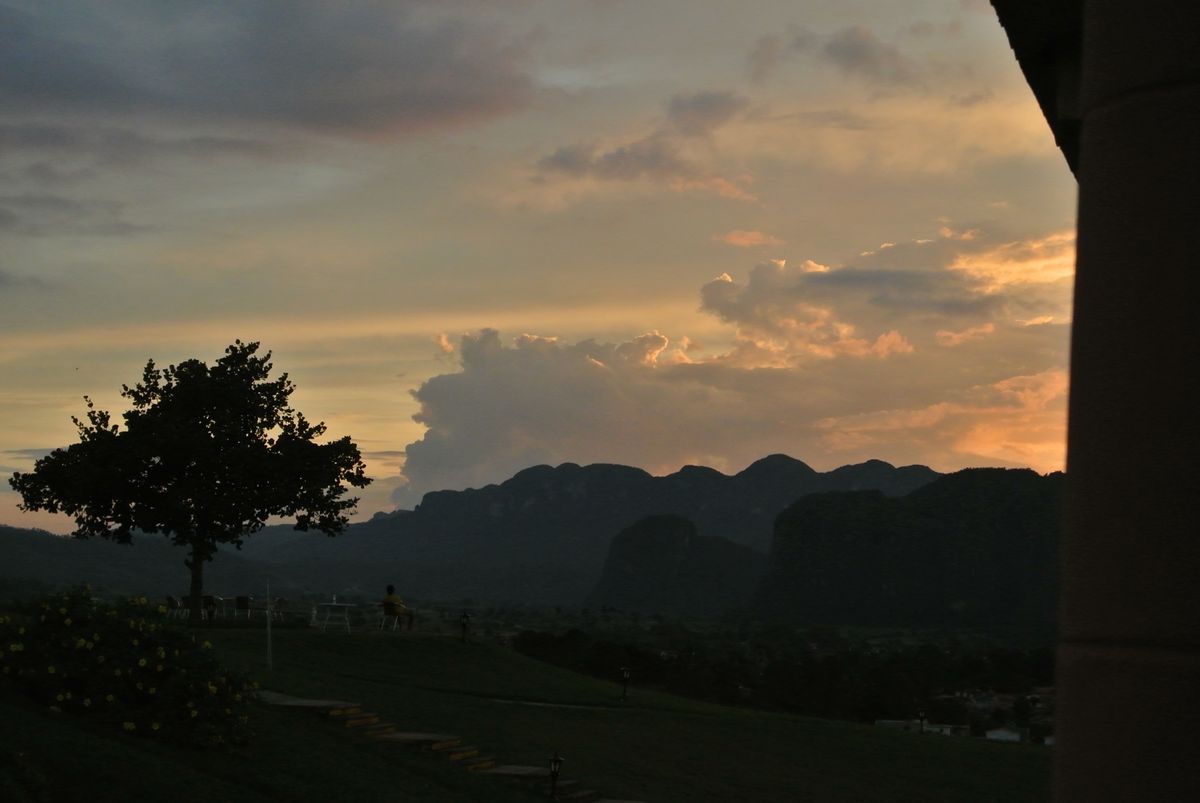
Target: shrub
(119,664)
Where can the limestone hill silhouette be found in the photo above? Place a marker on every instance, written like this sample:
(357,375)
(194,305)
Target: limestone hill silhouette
(542,536)
(659,564)
(977,547)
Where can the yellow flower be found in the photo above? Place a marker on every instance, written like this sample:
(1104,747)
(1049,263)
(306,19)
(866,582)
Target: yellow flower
(141,662)
(212,689)
(195,713)
(135,642)
(158,667)
(207,645)
(154,726)
(59,697)
(62,610)
(109,698)
(20,631)
(80,643)
(161,652)
(139,685)
(87,701)
(50,669)
(129,726)
(116,673)
(99,659)
(90,645)
(162,608)
(153,690)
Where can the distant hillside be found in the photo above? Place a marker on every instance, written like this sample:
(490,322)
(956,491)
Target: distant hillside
(541,536)
(976,547)
(660,564)
(150,565)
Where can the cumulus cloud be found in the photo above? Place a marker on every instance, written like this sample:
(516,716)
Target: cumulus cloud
(882,357)
(778,323)
(352,67)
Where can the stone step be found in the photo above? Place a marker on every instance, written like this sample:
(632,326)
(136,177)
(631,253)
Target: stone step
(479,763)
(446,743)
(348,711)
(582,794)
(461,752)
(379,729)
(418,739)
(361,720)
(520,771)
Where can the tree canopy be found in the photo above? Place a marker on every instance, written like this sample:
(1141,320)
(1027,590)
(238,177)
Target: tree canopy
(207,455)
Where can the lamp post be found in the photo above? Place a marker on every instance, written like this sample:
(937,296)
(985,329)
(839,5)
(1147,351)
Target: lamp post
(270,657)
(625,673)
(555,767)
(465,622)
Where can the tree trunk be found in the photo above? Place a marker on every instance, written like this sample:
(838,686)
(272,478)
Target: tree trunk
(195,595)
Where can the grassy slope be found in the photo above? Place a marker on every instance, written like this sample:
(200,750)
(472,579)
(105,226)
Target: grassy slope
(657,747)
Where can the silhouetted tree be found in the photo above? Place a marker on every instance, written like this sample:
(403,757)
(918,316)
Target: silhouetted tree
(206,456)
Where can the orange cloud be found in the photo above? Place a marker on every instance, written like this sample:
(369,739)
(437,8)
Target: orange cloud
(947,338)
(1020,420)
(747,238)
(1037,261)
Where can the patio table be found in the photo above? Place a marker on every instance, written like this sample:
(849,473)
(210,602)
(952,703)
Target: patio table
(336,611)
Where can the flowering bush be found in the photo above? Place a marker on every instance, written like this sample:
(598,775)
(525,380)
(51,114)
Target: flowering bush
(119,664)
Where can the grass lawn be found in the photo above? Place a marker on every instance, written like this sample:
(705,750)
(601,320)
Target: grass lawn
(656,747)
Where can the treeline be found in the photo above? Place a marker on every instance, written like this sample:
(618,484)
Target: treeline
(819,674)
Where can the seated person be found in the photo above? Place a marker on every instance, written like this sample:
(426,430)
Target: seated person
(393,606)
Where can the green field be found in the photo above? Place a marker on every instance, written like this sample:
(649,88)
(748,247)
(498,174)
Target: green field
(656,747)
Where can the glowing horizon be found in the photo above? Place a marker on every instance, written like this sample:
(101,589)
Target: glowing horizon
(558,232)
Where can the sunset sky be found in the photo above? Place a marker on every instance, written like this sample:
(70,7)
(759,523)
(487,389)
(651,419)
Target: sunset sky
(485,234)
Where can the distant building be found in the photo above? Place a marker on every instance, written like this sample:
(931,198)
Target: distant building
(1005,734)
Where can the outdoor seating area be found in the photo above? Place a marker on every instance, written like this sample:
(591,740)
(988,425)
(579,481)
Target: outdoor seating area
(213,608)
(321,614)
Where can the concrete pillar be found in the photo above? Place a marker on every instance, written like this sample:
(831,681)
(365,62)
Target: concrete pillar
(1129,653)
